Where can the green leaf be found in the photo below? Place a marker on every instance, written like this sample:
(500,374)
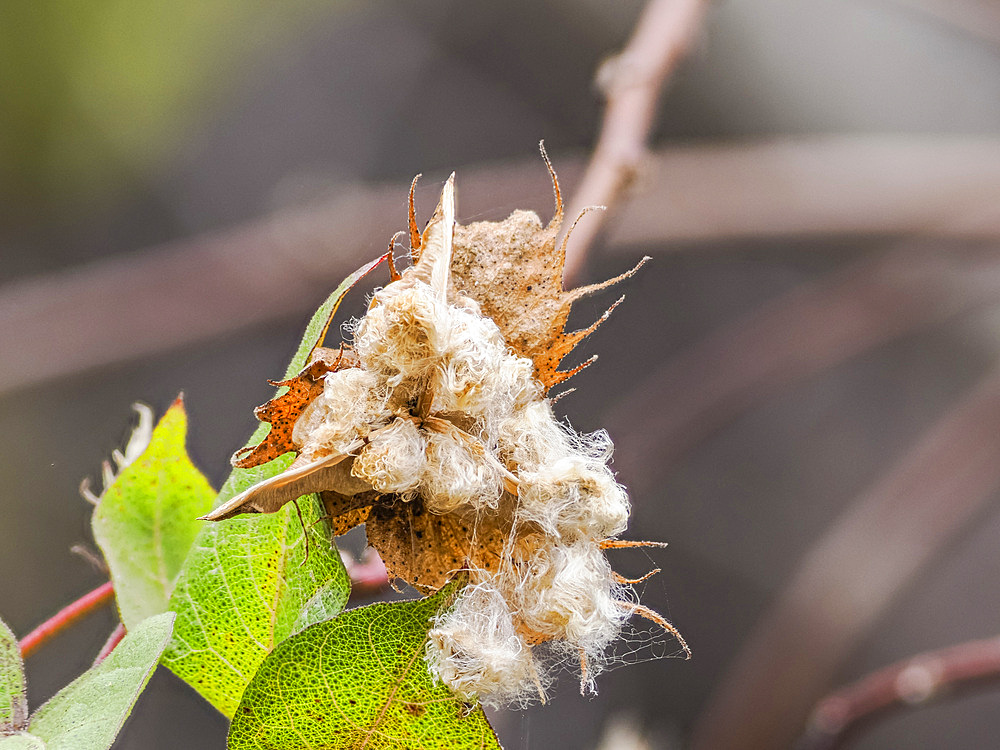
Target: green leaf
(359,680)
(22,741)
(319,323)
(13,704)
(247,584)
(88,713)
(147,520)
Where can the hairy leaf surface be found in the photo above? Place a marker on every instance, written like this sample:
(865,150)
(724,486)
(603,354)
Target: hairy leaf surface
(358,681)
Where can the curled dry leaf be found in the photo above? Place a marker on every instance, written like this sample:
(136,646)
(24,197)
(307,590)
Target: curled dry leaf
(433,428)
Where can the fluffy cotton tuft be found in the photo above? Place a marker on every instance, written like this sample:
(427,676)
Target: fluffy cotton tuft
(351,405)
(475,649)
(402,335)
(456,476)
(574,497)
(394,459)
(568,593)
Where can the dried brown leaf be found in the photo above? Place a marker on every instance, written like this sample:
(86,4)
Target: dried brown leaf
(425,549)
(283,410)
(347,511)
(301,478)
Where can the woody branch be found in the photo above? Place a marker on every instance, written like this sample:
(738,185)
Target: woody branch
(631,82)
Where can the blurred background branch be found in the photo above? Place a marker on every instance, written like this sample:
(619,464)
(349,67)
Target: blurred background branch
(813,327)
(196,289)
(631,83)
(908,684)
(853,573)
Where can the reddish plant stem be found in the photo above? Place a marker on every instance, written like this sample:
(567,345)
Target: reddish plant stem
(65,617)
(916,680)
(109,645)
(368,576)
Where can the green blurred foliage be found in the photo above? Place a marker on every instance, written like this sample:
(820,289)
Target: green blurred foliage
(95,91)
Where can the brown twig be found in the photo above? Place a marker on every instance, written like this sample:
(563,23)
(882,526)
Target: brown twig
(905,684)
(974,17)
(631,83)
(852,574)
(65,617)
(913,186)
(811,328)
(109,645)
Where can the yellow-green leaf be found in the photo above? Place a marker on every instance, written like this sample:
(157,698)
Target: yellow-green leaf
(358,681)
(21,741)
(146,520)
(13,704)
(247,583)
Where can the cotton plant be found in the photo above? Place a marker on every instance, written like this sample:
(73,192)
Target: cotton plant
(432,424)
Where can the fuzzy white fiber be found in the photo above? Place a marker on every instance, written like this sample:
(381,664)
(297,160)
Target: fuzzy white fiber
(567,592)
(574,497)
(394,459)
(455,476)
(475,649)
(352,403)
(449,412)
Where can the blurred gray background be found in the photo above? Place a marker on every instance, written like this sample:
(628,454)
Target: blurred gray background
(131,132)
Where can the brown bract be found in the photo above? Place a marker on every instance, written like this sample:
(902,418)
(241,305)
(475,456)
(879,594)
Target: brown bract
(514,270)
(283,411)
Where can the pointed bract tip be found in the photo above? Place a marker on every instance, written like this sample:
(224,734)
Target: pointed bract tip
(557,217)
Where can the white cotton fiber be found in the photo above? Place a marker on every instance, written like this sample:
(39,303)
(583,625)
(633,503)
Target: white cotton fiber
(475,650)
(394,459)
(351,405)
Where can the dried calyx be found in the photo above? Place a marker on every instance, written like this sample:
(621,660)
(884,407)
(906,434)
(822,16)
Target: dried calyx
(433,428)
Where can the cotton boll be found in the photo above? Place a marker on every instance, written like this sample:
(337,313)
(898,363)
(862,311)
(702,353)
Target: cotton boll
(604,511)
(456,475)
(351,404)
(476,651)
(531,436)
(478,375)
(394,459)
